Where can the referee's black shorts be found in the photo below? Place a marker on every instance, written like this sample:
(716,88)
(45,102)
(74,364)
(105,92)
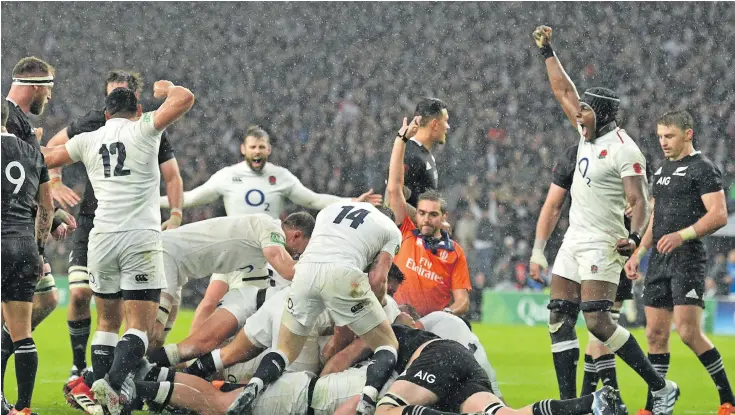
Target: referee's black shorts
(676,278)
(20,269)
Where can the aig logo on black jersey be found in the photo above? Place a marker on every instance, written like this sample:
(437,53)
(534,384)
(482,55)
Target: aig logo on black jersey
(664,181)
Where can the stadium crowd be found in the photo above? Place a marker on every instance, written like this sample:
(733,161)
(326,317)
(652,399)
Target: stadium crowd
(343,73)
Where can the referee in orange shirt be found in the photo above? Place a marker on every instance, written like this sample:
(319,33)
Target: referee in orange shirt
(435,266)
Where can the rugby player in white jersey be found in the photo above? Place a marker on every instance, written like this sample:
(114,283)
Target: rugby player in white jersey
(252,186)
(125,257)
(249,242)
(331,275)
(610,171)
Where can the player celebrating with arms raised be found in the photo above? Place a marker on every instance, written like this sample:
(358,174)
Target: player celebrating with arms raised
(610,170)
(688,203)
(125,255)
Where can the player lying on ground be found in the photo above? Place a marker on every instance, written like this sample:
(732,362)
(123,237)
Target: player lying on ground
(252,186)
(610,173)
(221,245)
(689,203)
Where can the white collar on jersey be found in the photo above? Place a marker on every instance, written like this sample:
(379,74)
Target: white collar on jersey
(12,102)
(416,141)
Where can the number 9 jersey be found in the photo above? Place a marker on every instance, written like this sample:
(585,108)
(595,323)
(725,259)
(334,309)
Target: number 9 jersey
(121,160)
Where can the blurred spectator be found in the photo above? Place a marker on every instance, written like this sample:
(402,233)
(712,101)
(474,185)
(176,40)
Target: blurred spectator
(718,281)
(333,94)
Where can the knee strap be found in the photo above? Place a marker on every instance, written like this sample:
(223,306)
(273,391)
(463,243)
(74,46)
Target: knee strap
(493,408)
(596,305)
(564,307)
(391,399)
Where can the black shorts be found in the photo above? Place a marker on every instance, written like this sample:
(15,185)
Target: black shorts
(625,288)
(20,269)
(676,278)
(450,371)
(78,256)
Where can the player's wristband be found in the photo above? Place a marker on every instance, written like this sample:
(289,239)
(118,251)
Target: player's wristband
(688,233)
(402,136)
(178,212)
(41,249)
(635,237)
(447,310)
(539,245)
(547,52)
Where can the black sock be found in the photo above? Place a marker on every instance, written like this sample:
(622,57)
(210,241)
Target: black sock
(79,334)
(589,382)
(660,362)
(202,367)
(26,365)
(565,364)
(605,366)
(269,370)
(712,361)
(7,351)
(128,351)
(155,392)
(632,354)
(159,357)
(103,353)
(418,409)
(576,406)
(379,371)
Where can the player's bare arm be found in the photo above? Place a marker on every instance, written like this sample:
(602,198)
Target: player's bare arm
(637,197)
(281,261)
(714,219)
(355,352)
(56,157)
(174,192)
(396,198)
(44,217)
(378,275)
(631,266)
(460,302)
(561,85)
(548,218)
(62,194)
(342,337)
(178,101)
(202,195)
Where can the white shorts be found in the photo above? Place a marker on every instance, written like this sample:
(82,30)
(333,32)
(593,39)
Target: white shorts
(333,390)
(129,260)
(243,302)
(342,290)
(582,261)
(289,395)
(174,282)
(263,327)
(244,278)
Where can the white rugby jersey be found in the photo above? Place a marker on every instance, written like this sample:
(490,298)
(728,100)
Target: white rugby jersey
(598,197)
(351,233)
(246,191)
(121,159)
(222,245)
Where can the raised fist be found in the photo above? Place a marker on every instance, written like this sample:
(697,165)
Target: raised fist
(542,36)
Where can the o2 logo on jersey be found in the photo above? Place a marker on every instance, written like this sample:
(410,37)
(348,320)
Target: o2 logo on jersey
(583,170)
(255,198)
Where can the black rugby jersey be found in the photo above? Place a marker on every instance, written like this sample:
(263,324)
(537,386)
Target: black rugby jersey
(23,172)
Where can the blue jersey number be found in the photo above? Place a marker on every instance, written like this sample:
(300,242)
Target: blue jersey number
(583,165)
(255,197)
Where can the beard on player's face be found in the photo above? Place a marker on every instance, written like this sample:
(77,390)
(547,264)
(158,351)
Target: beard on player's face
(38,104)
(257,161)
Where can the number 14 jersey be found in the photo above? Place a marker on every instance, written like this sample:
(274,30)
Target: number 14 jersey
(121,159)
(351,233)
(598,197)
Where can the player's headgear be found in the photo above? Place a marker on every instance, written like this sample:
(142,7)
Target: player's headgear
(604,103)
(33,71)
(121,100)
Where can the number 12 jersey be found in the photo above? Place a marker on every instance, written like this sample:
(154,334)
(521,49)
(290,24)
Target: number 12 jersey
(121,159)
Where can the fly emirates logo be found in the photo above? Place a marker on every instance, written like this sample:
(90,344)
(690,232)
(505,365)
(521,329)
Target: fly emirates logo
(423,269)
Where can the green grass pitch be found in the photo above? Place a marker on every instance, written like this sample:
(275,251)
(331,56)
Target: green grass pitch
(520,355)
